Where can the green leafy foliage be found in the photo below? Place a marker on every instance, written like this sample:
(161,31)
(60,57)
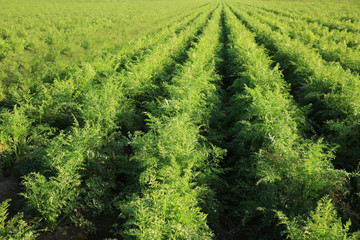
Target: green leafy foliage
(274,164)
(50,197)
(168,206)
(331,92)
(15,131)
(176,164)
(323,223)
(169,211)
(106,112)
(323,42)
(16,227)
(55,195)
(18,137)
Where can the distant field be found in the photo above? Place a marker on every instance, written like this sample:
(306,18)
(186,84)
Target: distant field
(179,119)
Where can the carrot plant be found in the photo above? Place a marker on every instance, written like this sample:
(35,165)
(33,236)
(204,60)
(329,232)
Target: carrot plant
(275,167)
(176,163)
(16,227)
(326,46)
(323,223)
(341,16)
(330,92)
(112,113)
(55,195)
(105,106)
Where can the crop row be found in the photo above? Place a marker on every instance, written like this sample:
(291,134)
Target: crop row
(31,80)
(92,140)
(349,39)
(326,46)
(175,161)
(332,19)
(275,167)
(40,41)
(89,93)
(330,92)
(195,131)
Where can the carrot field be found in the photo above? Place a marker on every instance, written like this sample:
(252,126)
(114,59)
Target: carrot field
(190,119)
